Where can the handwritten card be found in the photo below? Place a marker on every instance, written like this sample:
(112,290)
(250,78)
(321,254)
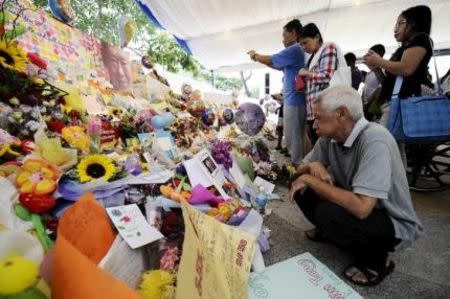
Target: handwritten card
(132,225)
(302,274)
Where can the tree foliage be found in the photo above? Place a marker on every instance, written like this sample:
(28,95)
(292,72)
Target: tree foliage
(101,17)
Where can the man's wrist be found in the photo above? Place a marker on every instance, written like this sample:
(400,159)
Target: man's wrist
(306,178)
(303,168)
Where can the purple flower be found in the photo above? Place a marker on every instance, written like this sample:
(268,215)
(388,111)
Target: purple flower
(221,152)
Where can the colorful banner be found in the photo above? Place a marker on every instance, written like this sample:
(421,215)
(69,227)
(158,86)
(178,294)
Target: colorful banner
(73,54)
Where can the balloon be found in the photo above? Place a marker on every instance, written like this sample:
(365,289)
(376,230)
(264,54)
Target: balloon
(158,122)
(62,10)
(208,117)
(127,28)
(228,116)
(250,118)
(162,121)
(168,118)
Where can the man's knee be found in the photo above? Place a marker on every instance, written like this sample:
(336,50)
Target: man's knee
(329,215)
(307,203)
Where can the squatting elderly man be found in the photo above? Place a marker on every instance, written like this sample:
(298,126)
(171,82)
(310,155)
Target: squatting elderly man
(352,186)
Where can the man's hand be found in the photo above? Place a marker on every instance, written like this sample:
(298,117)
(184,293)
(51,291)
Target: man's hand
(303,72)
(252,54)
(298,185)
(319,171)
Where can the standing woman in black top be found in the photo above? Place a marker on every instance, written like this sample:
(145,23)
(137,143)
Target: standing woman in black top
(412,30)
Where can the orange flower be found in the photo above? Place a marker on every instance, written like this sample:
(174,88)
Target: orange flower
(37,177)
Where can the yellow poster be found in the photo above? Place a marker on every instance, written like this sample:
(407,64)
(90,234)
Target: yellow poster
(216,259)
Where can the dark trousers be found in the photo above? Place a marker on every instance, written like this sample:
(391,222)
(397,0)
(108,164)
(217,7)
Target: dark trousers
(368,240)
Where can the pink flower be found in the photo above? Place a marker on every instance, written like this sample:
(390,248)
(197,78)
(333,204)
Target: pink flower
(94,126)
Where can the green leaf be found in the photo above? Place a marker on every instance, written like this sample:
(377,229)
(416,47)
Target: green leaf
(22,212)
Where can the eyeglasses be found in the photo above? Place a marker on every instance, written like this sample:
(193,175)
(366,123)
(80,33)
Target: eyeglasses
(399,23)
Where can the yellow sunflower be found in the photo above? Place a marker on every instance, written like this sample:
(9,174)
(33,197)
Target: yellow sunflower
(95,167)
(12,56)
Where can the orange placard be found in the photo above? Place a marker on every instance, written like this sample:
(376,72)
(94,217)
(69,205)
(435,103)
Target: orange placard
(87,227)
(75,276)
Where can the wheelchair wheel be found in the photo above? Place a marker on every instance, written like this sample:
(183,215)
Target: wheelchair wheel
(428,166)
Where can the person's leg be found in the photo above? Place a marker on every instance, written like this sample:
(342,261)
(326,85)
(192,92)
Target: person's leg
(286,128)
(385,109)
(368,240)
(279,138)
(295,117)
(307,202)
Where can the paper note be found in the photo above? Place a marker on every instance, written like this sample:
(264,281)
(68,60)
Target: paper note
(124,263)
(196,174)
(237,174)
(132,225)
(302,276)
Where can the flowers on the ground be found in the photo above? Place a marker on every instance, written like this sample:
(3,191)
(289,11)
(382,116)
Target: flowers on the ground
(76,137)
(37,177)
(220,151)
(12,56)
(115,111)
(157,284)
(95,167)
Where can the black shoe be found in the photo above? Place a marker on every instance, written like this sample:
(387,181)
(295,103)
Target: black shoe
(284,151)
(287,155)
(278,148)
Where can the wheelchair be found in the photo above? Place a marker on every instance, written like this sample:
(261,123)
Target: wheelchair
(428,166)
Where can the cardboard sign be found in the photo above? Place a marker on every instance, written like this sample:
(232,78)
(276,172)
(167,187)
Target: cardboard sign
(302,276)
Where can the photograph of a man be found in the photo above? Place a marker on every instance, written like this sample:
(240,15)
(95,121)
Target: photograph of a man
(209,164)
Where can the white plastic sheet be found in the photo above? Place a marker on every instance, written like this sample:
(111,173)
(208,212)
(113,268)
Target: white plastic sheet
(219,33)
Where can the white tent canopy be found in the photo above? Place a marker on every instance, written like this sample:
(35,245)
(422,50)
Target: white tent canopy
(220,32)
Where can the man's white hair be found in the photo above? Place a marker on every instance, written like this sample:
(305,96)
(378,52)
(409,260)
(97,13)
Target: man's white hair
(334,97)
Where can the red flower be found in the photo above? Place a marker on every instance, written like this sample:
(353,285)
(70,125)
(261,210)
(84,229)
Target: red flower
(37,203)
(56,125)
(27,146)
(37,60)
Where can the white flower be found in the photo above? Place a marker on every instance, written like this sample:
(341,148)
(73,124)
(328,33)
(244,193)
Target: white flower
(32,125)
(35,113)
(25,108)
(58,115)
